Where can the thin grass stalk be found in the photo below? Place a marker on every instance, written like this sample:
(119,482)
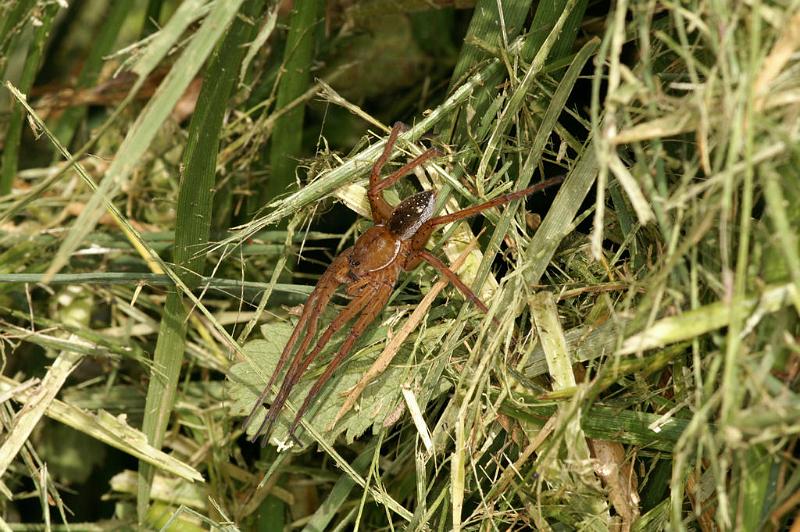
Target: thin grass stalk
(732,386)
(192,229)
(152,17)
(102,45)
(153,279)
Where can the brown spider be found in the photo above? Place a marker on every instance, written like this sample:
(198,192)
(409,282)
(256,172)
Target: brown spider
(370,269)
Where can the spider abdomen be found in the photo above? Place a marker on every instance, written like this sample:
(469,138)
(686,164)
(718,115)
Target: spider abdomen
(411,213)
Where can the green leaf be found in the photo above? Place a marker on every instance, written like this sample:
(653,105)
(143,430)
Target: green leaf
(376,403)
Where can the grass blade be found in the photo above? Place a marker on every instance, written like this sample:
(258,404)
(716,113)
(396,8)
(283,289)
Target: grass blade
(147,124)
(14,126)
(287,137)
(195,201)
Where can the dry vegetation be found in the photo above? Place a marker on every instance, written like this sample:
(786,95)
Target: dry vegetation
(175,176)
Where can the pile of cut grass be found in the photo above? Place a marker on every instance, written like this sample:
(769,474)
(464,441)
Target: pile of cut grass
(638,367)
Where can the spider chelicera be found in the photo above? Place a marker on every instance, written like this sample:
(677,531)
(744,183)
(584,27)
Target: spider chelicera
(369,269)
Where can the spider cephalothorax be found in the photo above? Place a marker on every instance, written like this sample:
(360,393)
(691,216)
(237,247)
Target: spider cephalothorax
(369,269)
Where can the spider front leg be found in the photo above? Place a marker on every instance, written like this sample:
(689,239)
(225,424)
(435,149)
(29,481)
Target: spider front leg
(381,210)
(423,234)
(453,277)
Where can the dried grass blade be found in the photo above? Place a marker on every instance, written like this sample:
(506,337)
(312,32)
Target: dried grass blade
(34,408)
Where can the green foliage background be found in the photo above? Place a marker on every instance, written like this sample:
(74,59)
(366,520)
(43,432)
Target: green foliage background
(175,175)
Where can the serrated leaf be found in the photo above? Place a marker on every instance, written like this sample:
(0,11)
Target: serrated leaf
(379,399)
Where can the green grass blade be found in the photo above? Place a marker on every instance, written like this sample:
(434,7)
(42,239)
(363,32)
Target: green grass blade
(756,472)
(193,225)
(13,135)
(493,26)
(147,124)
(153,279)
(558,221)
(785,233)
(295,79)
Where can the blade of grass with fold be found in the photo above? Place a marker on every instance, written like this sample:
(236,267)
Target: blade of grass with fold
(295,79)
(15,122)
(192,229)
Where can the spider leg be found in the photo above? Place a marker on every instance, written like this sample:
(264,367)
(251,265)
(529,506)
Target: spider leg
(434,261)
(381,210)
(404,170)
(378,299)
(424,232)
(311,310)
(505,198)
(300,363)
(319,298)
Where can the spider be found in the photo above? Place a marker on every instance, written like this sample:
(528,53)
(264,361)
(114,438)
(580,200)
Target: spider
(369,269)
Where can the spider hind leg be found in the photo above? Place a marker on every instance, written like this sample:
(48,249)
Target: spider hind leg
(377,298)
(302,361)
(307,326)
